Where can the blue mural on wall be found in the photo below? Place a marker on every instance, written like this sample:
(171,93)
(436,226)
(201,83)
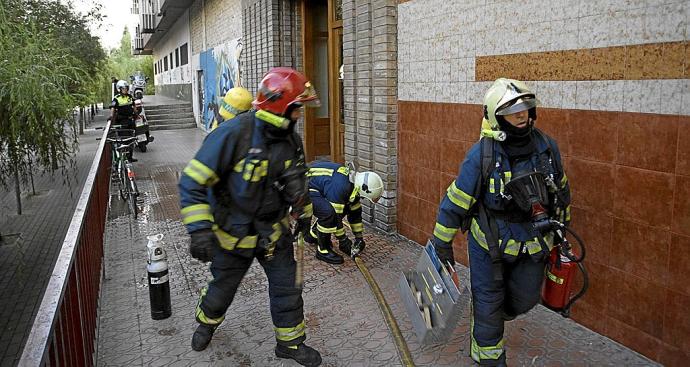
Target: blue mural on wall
(221,68)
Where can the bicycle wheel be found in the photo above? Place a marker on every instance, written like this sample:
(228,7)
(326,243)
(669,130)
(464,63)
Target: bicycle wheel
(133,204)
(124,187)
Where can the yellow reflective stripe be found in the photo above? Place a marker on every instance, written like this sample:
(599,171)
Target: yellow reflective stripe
(479,353)
(320,172)
(533,246)
(340,231)
(491,185)
(564,180)
(356,207)
(196,213)
(288,163)
(277,121)
(201,316)
(323,229)
(344,171)
(357,227)
(287,334)
(553,277)
(567,213)
(354,194)
(200,173)
(508,175)
(512,247)
(318,248)
(444,233)
(238,166)
(459,197)
(478,234)
(230,242)
(491,352)
(307,211)
(339,208)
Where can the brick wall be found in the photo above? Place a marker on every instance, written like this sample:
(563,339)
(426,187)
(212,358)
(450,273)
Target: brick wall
(614,82)
(370,81)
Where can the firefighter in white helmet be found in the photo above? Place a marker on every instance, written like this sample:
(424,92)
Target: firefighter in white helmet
(335,192)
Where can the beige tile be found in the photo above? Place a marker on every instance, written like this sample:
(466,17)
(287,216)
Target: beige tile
(670,96)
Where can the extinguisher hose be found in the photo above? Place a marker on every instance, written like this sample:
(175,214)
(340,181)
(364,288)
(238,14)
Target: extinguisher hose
(583,290)
(569,254)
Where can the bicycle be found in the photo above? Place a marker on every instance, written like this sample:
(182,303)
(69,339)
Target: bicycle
(121,141)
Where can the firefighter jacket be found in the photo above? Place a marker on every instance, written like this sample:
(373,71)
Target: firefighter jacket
(332,182)
(240,166)
(515,233)
(124,106)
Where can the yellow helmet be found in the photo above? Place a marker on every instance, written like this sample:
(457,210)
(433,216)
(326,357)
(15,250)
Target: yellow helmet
(504,97)
(236,101)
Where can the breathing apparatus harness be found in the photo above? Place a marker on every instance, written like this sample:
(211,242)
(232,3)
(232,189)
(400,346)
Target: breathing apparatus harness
(529,191)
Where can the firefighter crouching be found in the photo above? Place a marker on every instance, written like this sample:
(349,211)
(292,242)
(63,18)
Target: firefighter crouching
(335,192)
(254,169)
(506,252)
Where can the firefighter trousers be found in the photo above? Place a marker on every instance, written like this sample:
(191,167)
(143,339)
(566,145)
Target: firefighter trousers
(327,220)
(494,302)
(228,269)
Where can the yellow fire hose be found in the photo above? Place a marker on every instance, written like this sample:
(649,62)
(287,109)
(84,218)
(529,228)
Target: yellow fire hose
(403,351)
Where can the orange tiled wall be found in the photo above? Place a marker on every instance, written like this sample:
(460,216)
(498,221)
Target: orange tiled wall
(630,179)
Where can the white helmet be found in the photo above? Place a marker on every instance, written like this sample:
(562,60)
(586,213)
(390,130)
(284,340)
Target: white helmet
(121,84)
(369,185)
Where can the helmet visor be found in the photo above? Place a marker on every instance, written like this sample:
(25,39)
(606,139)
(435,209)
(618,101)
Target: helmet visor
(309,98)
(518,105)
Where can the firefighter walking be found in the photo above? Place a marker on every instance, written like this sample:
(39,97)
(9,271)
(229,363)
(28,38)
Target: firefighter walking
(253,168)
(506,252)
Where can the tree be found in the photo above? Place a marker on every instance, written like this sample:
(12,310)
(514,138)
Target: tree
(49,58)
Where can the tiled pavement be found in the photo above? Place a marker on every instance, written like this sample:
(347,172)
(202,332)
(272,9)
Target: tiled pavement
(342,316)
(27,261)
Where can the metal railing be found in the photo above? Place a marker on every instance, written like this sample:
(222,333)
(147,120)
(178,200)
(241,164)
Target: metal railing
(64,330)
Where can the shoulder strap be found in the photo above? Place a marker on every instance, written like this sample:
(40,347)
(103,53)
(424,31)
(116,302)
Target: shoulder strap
(550,143)
(487,162)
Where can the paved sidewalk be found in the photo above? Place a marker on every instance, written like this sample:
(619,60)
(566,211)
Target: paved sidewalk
(27,261)
(343,319)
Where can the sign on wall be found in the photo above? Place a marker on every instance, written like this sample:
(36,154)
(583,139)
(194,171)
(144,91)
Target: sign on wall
(221,66)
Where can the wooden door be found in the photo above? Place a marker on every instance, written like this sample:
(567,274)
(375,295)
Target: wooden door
(315,42)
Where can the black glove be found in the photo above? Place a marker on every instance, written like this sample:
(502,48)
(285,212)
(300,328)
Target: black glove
(359,244)
(345,245)
(204,245)
(444,252)
(302,226)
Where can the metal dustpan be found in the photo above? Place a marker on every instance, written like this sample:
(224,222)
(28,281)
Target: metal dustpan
(432,298)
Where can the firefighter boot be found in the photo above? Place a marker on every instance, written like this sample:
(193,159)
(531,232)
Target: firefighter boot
(324,250)
(202,336)
(303,354)
(310,236)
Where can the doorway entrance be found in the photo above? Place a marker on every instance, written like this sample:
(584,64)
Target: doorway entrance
(322,42)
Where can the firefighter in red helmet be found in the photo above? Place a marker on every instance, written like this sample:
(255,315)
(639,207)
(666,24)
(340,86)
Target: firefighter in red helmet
(254,169)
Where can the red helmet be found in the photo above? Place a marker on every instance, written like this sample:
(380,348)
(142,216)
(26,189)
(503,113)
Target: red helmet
(282,87)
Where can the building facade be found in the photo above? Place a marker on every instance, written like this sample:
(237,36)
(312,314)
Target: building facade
(402,83)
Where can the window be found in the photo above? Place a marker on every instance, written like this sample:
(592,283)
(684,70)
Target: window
(155,68)
(184,55)
(165,63)
(177,57)
(171,61)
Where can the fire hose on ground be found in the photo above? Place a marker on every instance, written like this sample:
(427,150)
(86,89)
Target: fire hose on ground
(401,345)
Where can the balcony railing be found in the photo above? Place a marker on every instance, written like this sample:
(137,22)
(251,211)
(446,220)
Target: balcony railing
(64,330)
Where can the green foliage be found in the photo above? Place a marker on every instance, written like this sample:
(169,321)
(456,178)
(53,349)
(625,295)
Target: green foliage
(48,59)
(122,64)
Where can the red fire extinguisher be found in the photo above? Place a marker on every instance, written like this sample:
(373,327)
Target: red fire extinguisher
(560,274)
